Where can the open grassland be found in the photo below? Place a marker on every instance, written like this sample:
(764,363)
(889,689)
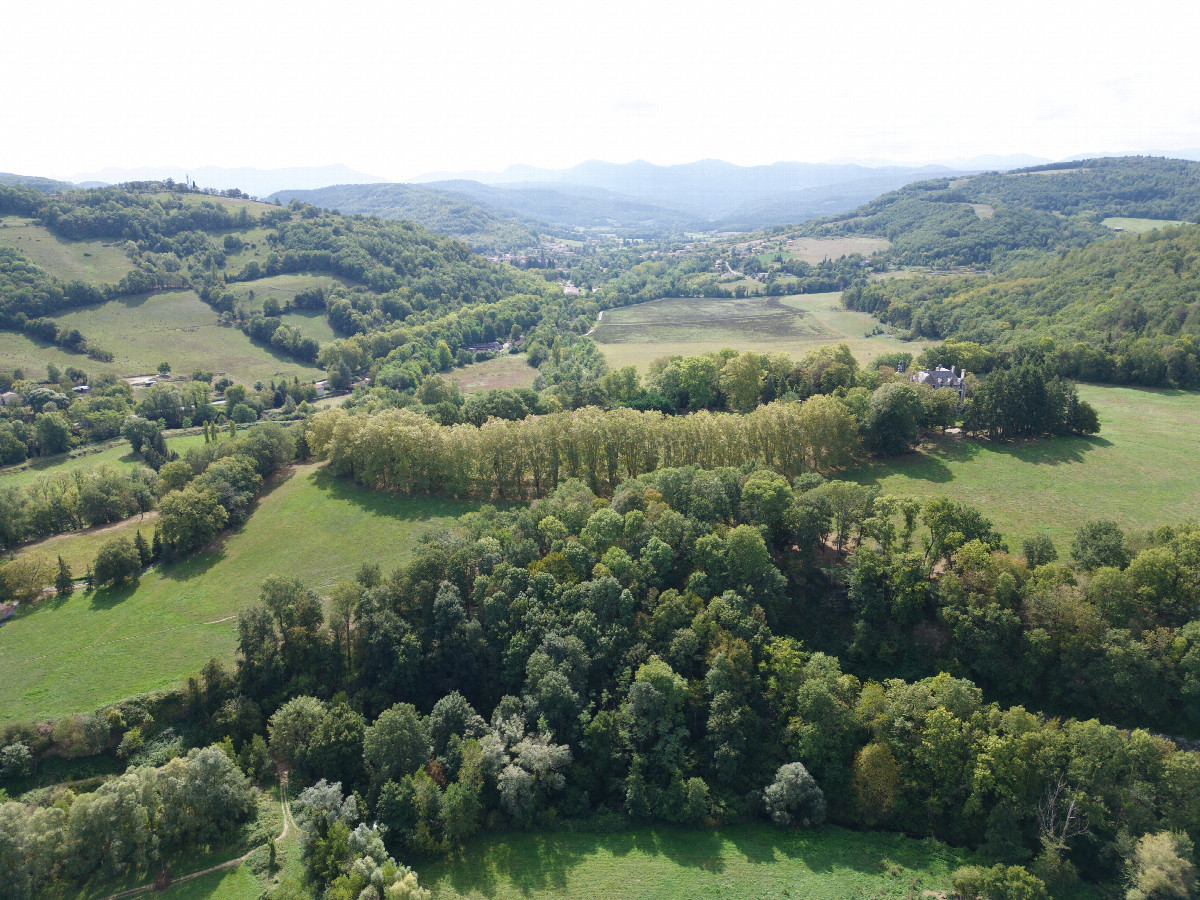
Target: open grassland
(79,548)
(114,452)
(746,861)
(154,635)
(637,335)
(176,326)
(1139,471)
(1138,226)
(507,370)
(96,262)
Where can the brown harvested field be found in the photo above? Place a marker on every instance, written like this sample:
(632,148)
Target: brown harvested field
(507,370)
(638,335)
(813,250)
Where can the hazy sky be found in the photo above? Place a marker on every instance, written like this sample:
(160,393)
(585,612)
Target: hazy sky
(400,88)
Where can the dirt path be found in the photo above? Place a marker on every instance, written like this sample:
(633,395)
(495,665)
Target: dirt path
(599,316)
(286,811)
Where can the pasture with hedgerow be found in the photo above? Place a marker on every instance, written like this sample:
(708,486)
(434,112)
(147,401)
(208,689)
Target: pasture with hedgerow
(854,557)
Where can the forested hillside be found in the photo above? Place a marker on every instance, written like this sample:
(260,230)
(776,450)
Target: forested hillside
(981,220)
(481,226)
(1122,310)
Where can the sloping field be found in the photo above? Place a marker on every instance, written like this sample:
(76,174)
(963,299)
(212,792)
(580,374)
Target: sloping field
(749,862)
(1139,471)
(96,262)
(637,335)
(176,326)
(312,526)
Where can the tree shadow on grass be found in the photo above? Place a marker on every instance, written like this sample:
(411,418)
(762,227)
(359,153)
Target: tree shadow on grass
(530,862)
(1051,451)
(108,597)
(544,862)
(390,505)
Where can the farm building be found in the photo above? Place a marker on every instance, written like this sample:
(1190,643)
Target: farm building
(941,377)
(8,610)
(322,387)
(9,397)
(487,347)
(82,389)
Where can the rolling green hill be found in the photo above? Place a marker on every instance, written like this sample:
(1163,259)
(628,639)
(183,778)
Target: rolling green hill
(78,268)
(982,219)
(480,226)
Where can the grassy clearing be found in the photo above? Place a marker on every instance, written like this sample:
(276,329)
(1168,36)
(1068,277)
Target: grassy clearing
(229,884)
(280,287)
(1140,471)
(1138,226)
(115,452)
(637,335)
(504,371)
(157,633)
(179,327)
(18,351)
(79,548)
(813,250)
(746,861)
(95,262)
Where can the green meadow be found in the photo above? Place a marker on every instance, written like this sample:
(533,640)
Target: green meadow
(750,862)
(1138,225)
(1140,470)
(96,262)
(155,634)
(176,326)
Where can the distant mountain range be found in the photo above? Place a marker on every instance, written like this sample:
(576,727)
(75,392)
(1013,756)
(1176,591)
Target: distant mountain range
(634,199)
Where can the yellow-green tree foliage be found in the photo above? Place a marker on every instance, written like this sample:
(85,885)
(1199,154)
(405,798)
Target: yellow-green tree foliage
(404,452)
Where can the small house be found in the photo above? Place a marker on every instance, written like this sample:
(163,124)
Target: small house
(322,387)
(8,610)
(82,389)
(9,397)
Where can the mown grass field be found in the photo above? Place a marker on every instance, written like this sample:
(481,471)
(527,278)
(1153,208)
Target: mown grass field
(814,250)
(637,335)
(504,371)
(157,633)
(79,548)
(750,862)
(1139,471)
(176,326)
(96,262)
(1138,226)
(116,452)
